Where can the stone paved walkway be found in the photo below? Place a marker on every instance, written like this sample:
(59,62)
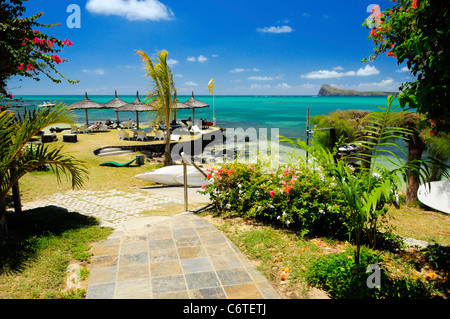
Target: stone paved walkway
(181,257)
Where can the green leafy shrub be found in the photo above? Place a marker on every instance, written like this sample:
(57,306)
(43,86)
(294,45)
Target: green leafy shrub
(343,278)
(298,196)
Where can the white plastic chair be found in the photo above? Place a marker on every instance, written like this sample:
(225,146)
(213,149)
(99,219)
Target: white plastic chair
(128,124)
(123,135)
(74,129)
(141,135)
(159,135)
(196,129)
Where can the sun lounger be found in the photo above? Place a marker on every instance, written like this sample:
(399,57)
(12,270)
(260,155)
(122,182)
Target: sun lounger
(74,129)
(115,164)
(159,135)
(128,124)
(175,137)
(141,135)
(196,129)
(85,129)
(123,135)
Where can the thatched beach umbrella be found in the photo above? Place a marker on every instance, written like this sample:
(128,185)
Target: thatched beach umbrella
(115,104)
(193,103)
(179,106)
(135,106)
(86,104)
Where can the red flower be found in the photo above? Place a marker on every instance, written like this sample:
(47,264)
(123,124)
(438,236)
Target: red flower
(68,42)
(390,53)
(272,193)
(20,67)
(56,58)
(414,4)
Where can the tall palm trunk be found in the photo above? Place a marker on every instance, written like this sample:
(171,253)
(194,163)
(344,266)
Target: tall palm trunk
(416,147)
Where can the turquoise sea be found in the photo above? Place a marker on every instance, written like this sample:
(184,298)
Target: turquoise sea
(287,113)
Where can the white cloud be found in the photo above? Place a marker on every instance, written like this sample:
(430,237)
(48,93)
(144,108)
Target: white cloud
(326,74)
(215,56)
(237,70)
(201,59)
(178,75)
(260,78)
(98,71)
(282,29)
(190,83)
(338,68)
(386,85)
(131,9)
(404,69)
(283,86)
(172,62)
(367,70)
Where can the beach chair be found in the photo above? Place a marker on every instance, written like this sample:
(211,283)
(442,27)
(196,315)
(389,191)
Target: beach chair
(103,127)
(74,129)
(159,135)
(175,137)
(196,129)
(189,124)
(123,135)
(141,135)
(128,124)
(115,164)
(85,129)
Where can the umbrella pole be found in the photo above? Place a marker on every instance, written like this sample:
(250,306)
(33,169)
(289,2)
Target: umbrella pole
(193,116)
(87,119)
(137,120)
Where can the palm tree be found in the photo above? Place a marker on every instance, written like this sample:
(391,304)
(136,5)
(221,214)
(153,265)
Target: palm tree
(365,193)
(17,159)
(348,123)
(163,93)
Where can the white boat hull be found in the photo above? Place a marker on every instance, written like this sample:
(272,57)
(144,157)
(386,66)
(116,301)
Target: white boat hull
(173,175)
(437,196)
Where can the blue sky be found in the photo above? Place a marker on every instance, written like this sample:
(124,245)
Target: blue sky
(249,47)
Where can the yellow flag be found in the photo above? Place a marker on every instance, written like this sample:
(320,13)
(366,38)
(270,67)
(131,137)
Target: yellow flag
(211,86)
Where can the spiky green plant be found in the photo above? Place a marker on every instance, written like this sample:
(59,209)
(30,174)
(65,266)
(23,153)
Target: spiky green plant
(17,159)
(368,189)
(163,93)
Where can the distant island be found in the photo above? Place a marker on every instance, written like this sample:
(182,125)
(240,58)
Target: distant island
(327,90)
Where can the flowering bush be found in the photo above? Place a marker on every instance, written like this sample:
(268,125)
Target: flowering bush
(299,196)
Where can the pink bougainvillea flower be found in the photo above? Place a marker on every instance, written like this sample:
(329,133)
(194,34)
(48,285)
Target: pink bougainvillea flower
(68,42)
(56,58)
(203,187)
(20,67)
(272,193)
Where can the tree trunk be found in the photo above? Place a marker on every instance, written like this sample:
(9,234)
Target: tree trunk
(167,156)
(415,150)
(3,220)
(16,198)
